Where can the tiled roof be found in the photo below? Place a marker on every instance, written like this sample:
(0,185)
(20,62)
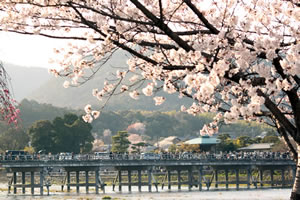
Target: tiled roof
(260,146)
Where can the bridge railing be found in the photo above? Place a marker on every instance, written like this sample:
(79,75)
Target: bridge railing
(252,156)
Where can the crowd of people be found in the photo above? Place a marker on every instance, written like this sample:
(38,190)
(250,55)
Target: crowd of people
(256,155)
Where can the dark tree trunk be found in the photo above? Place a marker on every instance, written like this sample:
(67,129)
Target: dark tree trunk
(296,188)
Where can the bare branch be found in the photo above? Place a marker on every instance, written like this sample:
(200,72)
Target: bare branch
(157,22)
(201,17)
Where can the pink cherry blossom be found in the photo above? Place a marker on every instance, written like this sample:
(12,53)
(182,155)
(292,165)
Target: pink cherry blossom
(159,100)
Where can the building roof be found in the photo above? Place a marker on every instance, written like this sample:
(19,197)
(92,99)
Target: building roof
(203,140)
(260,146)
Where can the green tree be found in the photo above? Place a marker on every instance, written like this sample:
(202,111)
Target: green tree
(270,139)
(137,147)
(62,135)
(172,148)
(189,147)
(72,134)
(67,134)
(81,135)
(272,132)
(120,142)
(281,146)
(226,143)
(224,137)
(257,140)
(42,136)
(243,141)
(13,139)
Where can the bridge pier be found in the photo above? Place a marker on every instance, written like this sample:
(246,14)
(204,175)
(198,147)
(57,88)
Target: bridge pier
(272,177)
(200,179)
(140,180)
(282,177)
(149,180)
(141,170)
(120,180)
(237,173)
(77,182)
(129,180)
(32,182)
(231,176)
(179,179)
(226,179)
(190,179)
(15,182)
(216,178)
(261,174)
(86,182)
(169,179)
(42,182)
(68,181)
(248,178)
(23,182)
(97,181)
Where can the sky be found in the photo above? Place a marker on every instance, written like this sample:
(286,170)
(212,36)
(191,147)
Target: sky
(28,50)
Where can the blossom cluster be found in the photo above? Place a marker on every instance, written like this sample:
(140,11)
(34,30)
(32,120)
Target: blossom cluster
(90,114)
(241,54)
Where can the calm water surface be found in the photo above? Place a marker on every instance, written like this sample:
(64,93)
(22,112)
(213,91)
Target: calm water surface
(252,194)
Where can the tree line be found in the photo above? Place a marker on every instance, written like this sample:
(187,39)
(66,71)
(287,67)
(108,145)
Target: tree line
(156,125)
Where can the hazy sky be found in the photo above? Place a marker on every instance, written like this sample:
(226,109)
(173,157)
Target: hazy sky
(29,51)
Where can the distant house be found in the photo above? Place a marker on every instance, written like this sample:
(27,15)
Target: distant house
(206,143)
(257,147)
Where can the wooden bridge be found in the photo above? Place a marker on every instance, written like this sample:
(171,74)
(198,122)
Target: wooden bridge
(193,173)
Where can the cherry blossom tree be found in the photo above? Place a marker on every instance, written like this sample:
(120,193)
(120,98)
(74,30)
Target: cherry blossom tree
(238,59)
(8,109)
(137,128)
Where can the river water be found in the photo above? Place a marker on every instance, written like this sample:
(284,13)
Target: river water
(243,194)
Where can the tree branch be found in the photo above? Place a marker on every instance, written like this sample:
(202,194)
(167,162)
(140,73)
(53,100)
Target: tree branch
(160,24)
(278,115)
(52,36)
(284,134)
(213,29)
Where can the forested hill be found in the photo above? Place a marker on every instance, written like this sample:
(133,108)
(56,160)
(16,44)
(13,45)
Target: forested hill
(157,124)
(37,84)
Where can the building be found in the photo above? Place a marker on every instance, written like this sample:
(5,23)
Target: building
(262,147)
(206,143)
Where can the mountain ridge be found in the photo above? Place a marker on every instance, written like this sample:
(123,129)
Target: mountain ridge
(25,80)
(78,97)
